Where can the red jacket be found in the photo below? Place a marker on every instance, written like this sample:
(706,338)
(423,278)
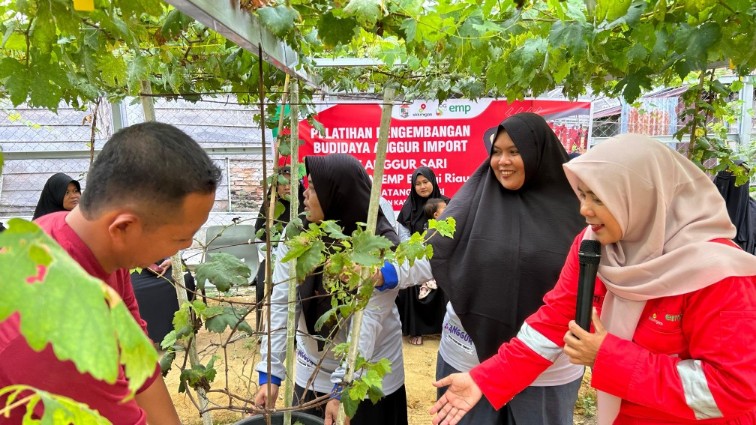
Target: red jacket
(692,358)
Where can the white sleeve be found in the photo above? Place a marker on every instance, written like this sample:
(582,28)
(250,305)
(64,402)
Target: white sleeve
(419,273)
(403,232)
(278,315)
(378,310)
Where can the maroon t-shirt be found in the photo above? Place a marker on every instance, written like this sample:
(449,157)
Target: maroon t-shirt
(19,364)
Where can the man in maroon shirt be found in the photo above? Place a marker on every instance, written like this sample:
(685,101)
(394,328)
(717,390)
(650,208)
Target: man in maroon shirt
(149,191)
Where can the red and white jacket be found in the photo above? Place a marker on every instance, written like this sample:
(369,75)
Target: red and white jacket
(692,358)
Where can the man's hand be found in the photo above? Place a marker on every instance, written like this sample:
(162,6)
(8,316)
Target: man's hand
(582,346)
(463,393)
(261,398)
(332,412)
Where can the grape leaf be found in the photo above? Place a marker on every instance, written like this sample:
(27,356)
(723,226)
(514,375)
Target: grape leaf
(226,317)
(174,23)
(366,248)
(198,376)
(138,355)
(223,271)
(278,19)
(367,12)
(631,85)
(334,31)
(38,280)
(58,409)
(16,80)
(571,35)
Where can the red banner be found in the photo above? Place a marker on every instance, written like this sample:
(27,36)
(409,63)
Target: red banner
(447,137)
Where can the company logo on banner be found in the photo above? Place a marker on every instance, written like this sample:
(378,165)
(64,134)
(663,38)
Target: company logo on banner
(449,137)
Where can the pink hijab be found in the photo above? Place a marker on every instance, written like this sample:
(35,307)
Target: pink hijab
(669,211)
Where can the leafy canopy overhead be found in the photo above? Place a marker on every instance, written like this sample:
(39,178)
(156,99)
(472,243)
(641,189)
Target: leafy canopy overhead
(469,48)
(433,49)
(51,53)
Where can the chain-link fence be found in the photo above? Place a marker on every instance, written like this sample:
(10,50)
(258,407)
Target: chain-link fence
(39,143)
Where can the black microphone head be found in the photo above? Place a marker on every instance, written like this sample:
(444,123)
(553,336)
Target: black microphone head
(590,251)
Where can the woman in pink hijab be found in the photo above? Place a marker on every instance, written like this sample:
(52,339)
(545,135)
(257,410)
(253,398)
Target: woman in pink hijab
(673,339)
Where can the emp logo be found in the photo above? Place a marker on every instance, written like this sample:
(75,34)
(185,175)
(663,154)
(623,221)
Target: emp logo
(460,108)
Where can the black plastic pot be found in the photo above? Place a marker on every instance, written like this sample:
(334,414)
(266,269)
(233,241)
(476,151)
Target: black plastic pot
(277,419)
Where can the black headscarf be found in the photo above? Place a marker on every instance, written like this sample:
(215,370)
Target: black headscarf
(412,216)
(739,207)
(283,218)
(51,199)
(509,245)
(343,189)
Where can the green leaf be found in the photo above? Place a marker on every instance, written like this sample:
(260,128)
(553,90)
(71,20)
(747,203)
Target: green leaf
(198,376)
(43,31)
(367,248)
(174,23)
(333,230)
(632,85)
(327,317)
(135,8)
(699,41)
(612,9)
(138,355)
(372,378)
(112,70)
(350,404)
(307,251)
(375,394)
(223,271)
(334,31)
(39,287)
(280,20)
(411,249)
(58,409)
(228,317)
(138,70)
(445,227)
(409,26)
(382,366)
(571,35)
(166,362)
(367,12)
(17,80)
(358,391)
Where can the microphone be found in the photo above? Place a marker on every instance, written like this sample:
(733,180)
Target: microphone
(589,257)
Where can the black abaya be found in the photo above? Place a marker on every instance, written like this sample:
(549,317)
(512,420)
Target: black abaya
(420,316)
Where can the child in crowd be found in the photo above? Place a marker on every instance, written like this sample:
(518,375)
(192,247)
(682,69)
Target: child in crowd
(434,207)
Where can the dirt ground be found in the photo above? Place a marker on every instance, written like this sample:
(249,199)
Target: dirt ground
(419,367)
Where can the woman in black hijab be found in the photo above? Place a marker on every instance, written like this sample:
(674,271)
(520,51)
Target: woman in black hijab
(516,218)
(741,207)
(339,189)
(419,316)
(61,193)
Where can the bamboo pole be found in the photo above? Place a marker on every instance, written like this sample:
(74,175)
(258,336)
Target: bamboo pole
(267,286)
(375,194)
(291,325)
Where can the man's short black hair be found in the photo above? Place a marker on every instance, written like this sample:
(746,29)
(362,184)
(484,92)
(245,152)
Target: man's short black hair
(148,164)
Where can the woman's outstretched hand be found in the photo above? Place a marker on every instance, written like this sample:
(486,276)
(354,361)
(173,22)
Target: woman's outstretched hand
(463,393)
(582,346)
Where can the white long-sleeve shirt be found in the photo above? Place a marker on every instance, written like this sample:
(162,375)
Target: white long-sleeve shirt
(380,337)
